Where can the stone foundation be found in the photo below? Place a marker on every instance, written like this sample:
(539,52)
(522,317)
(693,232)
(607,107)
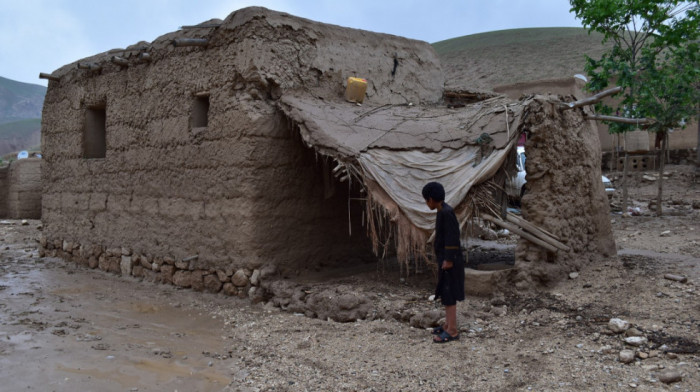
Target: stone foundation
(243,282)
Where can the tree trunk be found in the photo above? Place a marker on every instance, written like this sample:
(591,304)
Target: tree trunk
(662,160)
(624,184)
(697,158)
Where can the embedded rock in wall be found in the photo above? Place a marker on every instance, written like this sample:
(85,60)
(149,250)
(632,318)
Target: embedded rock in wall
(162,270)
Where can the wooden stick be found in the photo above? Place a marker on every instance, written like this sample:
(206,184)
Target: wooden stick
(90,66)
(511,217)
(677,278)
(207,26)
(625,120)
(49,77)
(539,233)
(593,99)
(516,230)
(202,94)
(190,42)
(120,61)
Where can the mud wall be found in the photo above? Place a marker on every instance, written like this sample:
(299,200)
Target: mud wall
(177,202)
(564,194)
(20,189)
(567,87)
(4,185)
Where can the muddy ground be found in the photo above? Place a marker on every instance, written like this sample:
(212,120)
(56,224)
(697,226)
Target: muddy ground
(67,328)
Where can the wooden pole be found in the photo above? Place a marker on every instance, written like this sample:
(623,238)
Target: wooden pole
(624,120)
(515,229)
(90,66)
(537,232)
(120,61)
(593,99)
(181,42)
(49,77)
(662,161)
(511,217)
(144,57)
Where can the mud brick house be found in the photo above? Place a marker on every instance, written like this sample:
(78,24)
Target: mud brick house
(221,149)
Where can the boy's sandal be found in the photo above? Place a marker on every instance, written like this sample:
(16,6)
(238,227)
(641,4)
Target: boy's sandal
(438,330)
(445,337)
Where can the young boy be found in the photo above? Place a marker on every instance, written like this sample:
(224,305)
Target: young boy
(448,253)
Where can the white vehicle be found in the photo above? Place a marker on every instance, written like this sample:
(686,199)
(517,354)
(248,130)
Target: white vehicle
(515,186)
(609,190)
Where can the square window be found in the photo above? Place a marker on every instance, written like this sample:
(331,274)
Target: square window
(94,140)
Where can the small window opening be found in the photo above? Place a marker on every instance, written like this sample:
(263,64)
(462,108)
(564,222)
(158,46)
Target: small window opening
(200,112)
(94,140)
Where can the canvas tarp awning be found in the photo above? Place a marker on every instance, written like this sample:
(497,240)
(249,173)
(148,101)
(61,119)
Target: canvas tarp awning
(400,148)
(402,175)
(343,129)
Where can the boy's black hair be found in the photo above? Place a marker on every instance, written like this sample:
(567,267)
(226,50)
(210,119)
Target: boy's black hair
(434,190)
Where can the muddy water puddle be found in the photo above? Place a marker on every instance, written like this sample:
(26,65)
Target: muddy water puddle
(65,328)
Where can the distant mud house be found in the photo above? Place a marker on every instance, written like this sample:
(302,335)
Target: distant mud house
(227,147)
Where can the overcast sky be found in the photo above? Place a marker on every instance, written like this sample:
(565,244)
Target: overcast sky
(43,35)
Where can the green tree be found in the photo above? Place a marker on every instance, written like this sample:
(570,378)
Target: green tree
(670,94)
(653,57)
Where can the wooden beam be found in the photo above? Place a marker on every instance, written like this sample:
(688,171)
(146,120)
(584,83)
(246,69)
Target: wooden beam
(181,42)
(593,99)
(537,232)
(515,229)
(90,66)
(120,61)
(625,120)
(511,217)
(49,77)
(144,57)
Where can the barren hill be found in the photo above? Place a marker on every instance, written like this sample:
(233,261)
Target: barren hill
(20,101)
(20,135)
(483,61)
(20,115)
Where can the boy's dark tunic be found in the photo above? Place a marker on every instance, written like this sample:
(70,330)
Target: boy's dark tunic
(450,286)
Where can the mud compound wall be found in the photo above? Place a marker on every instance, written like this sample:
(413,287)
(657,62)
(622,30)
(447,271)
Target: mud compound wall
(176,198)
(3,190)
(564,194)
(20,190)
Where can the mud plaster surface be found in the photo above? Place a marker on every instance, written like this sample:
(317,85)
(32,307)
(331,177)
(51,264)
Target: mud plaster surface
(20,189)
(564,194)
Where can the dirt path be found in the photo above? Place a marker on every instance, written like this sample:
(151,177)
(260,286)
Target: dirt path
(65,328)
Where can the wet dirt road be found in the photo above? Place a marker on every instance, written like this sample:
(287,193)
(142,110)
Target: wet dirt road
(65,328)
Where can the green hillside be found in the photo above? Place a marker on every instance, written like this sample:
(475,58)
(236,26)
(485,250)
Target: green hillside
(486,60)
(19,101)
(19,128)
